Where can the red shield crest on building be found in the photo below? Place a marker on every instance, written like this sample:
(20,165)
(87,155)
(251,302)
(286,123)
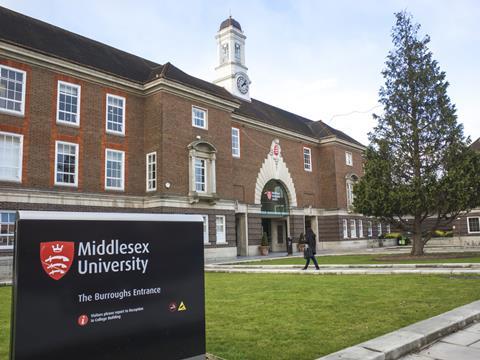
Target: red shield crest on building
(57,257)
(276,150)
(269,195)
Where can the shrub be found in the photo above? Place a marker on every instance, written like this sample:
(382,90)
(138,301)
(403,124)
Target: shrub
(264,239)
(442,233)
(393,235)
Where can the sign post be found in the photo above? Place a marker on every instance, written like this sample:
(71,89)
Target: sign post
(108,286)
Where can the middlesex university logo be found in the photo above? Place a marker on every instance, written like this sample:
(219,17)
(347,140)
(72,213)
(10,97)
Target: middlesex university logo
(269,195)
(276,150)
(57,257)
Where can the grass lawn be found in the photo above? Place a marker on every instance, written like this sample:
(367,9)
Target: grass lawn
(5,294)
(375,259)
(270,316)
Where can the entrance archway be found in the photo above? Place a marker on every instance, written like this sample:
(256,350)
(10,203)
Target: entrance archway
(275,211)
(274,167)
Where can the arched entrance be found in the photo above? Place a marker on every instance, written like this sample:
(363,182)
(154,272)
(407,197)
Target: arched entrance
(275,211)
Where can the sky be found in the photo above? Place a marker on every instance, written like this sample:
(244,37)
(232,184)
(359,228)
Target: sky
(316,58)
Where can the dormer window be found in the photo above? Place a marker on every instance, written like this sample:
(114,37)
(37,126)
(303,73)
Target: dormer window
(238,54)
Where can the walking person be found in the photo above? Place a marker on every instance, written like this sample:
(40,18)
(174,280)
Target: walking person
(310,248)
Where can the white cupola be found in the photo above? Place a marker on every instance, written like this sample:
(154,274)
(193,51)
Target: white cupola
(231,70)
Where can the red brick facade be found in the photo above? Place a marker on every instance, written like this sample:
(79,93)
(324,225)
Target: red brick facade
(158,118)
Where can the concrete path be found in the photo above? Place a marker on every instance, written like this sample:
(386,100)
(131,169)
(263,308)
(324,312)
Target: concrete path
(376,269)
(361,251)
(462,345)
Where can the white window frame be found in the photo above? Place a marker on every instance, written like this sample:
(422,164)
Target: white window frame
(468,224)
(8,234)
(79,89)
(121,188)
(379,229)
(222,236)
(20,166)
(345,228)
(151,179)
(360,228)
(307,166)
(348,158)
(205,127)
(236,150)
(205,182)
(205,229)
(388,229)
(353,228)
(350,196)
(124,123)
(24,85)
(56,182)
(370,229)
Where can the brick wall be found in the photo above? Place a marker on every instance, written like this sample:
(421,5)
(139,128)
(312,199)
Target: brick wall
(41,130)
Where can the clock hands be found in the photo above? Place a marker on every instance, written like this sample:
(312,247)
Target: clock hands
(242,84)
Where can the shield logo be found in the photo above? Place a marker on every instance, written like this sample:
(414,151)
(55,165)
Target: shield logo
(269,195)
(57,257)
(276,150)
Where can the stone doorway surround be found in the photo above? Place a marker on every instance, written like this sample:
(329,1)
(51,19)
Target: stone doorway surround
(274,167)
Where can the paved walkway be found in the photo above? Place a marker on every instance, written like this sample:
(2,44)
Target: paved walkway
(362,251)
(372,269)
(462,345)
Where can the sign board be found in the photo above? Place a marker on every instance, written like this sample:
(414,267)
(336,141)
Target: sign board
(108,286)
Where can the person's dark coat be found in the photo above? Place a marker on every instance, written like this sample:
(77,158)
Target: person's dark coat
(310,239)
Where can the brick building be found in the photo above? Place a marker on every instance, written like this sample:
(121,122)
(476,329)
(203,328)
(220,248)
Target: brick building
(87,127)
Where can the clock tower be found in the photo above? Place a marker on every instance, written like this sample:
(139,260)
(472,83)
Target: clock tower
(231,70)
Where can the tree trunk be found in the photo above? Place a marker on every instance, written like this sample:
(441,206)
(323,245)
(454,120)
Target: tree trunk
(418,244)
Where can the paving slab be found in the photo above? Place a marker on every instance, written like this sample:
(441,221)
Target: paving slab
(355,353)
(416,357)
(435,327)
(395,344)
(446,351)
(474,328)
(476,345)
(463,337)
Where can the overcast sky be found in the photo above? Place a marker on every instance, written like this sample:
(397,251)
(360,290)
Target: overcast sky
(319,59)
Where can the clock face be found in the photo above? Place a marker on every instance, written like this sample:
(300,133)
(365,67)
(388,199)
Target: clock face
(242,84)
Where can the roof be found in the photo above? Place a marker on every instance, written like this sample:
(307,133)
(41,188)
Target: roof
(39,36)
(230,22)
(476,145)
(275,116)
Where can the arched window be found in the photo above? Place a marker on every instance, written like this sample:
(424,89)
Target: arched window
(351,179)
(238,54)
(202,175)
(224,56)
(274,199)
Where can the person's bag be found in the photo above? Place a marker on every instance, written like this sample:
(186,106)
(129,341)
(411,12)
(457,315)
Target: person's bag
(307,252)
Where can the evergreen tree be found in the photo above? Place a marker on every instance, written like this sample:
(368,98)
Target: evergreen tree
(420,173)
